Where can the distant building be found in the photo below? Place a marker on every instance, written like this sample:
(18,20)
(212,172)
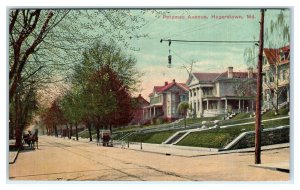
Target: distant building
(276,66)
(164,101)
(138,104)
(212,94)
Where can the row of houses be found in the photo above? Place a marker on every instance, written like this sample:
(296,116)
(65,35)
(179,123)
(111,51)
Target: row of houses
(211,94)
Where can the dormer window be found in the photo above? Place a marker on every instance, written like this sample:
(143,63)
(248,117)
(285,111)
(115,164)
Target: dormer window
(282,55)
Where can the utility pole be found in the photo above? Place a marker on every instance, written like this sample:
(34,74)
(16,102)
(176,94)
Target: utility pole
(259,92)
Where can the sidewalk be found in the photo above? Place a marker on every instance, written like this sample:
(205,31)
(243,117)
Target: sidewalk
(183,151)
(186,151)
(13,154)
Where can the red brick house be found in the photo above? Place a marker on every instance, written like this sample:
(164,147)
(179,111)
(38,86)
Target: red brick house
(138,104)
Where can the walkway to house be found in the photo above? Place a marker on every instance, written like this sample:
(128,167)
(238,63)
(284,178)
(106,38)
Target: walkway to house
(64,159)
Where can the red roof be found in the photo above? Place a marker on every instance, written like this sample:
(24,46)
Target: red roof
(160,89)
(273,55)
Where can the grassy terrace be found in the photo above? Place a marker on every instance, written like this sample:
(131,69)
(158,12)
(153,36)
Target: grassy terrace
(214,138)
(219,138)
(155,137)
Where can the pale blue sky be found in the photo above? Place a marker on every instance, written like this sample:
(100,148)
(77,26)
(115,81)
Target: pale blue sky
(152,57)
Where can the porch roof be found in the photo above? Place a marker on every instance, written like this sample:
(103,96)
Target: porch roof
(229,98)
(237,98)
(152,106)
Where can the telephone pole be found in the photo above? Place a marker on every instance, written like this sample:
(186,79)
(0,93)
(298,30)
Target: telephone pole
(258,128)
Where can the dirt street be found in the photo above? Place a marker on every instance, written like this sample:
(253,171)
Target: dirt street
(62,159)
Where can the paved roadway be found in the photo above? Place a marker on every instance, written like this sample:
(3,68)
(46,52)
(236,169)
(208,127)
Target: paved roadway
(63,159)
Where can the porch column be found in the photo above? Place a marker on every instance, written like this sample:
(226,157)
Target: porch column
(219,106)
(226,105)
(150,113)
(207,105)
(239,105)
(154,111)
(200,101)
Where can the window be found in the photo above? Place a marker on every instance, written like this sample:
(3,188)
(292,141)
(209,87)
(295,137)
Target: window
(173,110)
(173,97)
(155,100)
(182,98)
(282,55)
(194,93)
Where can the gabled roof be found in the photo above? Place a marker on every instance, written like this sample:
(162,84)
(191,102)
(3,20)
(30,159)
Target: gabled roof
(206,77)
(236,75)
(212,77)
(273,55)
(140,100)
(161,89)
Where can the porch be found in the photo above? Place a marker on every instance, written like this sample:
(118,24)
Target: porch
(152,111)
(213,106)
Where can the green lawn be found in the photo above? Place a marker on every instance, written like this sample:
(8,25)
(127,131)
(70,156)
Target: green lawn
(215,138)
(219,138)
(191,121)
(155,137)
(85,134)
(271,114)
(242,116)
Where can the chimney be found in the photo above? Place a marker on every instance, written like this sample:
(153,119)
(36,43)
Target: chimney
(230,72)
(250,72)
(140,95)
(166,83)
(173,80)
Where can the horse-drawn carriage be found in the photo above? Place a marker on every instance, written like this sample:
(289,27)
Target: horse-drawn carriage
(106,137)
(31,139)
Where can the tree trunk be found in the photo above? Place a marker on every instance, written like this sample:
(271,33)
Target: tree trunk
(90,131)
(76,130)
(98,132)
(71,131)
(55,131)
(67,132)
(18,132)
(110,128)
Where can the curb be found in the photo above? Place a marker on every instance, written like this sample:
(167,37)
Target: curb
(14,160)
(272,168)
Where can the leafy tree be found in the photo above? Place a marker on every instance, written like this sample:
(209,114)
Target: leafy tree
(182,109)
(72,108)
(53,117)
(22,110)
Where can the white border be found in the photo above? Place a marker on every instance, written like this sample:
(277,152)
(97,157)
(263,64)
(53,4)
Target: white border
(152,3)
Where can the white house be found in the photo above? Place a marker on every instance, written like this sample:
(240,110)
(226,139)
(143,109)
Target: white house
(211,94)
